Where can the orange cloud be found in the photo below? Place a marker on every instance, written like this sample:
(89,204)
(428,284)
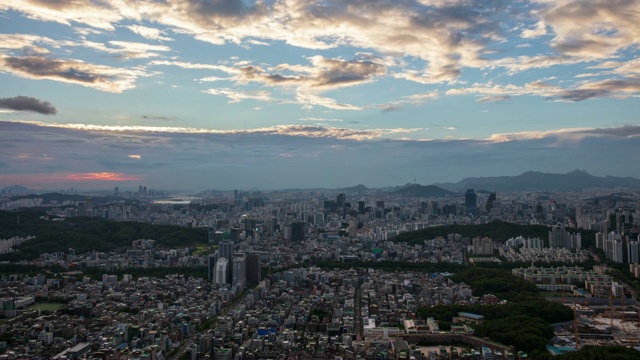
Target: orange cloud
(101,176)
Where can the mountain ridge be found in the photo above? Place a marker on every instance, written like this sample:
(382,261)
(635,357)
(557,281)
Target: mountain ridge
(539,181)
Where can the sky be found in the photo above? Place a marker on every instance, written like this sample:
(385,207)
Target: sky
(243,94)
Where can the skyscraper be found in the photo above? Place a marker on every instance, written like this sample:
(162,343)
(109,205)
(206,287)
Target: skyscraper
(297,231)
(226,251)
(470,202)
(239,271)
(254,268)
(211,266)
(222,271)
(490,201)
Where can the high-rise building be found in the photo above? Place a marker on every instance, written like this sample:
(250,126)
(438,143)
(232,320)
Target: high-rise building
(211,266)
(297,231)
(239,271)
(561,238)
(632,252)
(226,251)
(222,271)
(470,202)
(235,234)
(482,246)
(318,219)
(361,206)
(82,209)
(341,200)
(254,268)
(490,201)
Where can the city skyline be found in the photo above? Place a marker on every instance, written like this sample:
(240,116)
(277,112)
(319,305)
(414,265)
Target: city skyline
(291,94)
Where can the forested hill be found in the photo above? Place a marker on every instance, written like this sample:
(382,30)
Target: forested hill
(499,231)
(86,234)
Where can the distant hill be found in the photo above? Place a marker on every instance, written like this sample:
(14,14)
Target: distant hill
(422,191)
(19,190)
(58,198)
(356,189)
(538,181)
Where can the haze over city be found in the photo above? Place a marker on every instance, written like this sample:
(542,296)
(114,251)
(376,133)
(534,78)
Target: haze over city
(280,94)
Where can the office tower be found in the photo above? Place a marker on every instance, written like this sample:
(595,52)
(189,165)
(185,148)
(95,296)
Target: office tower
(82,209)
(329,205)
(297,231)
(116,191)
(380,204)
(239,271)
(89,207)
(226,251)
(341,200)
(318,219)
(211,265)
(558,237)
(222,271)
(632,252)
(490,201)
(139,190)
(470,202)
(254,268)
(235,234)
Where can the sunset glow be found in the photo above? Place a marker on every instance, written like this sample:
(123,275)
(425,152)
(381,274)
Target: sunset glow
(101,176)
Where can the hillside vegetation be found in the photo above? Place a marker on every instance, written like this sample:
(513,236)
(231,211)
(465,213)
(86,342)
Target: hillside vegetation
(86,234)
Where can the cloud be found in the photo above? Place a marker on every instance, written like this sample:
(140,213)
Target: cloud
(27,103)
(592,29)
(323,74)
(126,49)
(238,96)
(159,118)
(99,77)
(101,176)
(626,131)
(495,98)
(100,155)
(497,91)
(149,33)
(446,36)
(514,65)
(320,119)
(27,42)
(539,30)
(597,89)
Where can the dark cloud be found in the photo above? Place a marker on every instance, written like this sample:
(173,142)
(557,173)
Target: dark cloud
(45,67)
(605,88)
(339,72)
(227,8)
(99,77)
(622,131)
(497,98)
(326,73)
(27,103)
